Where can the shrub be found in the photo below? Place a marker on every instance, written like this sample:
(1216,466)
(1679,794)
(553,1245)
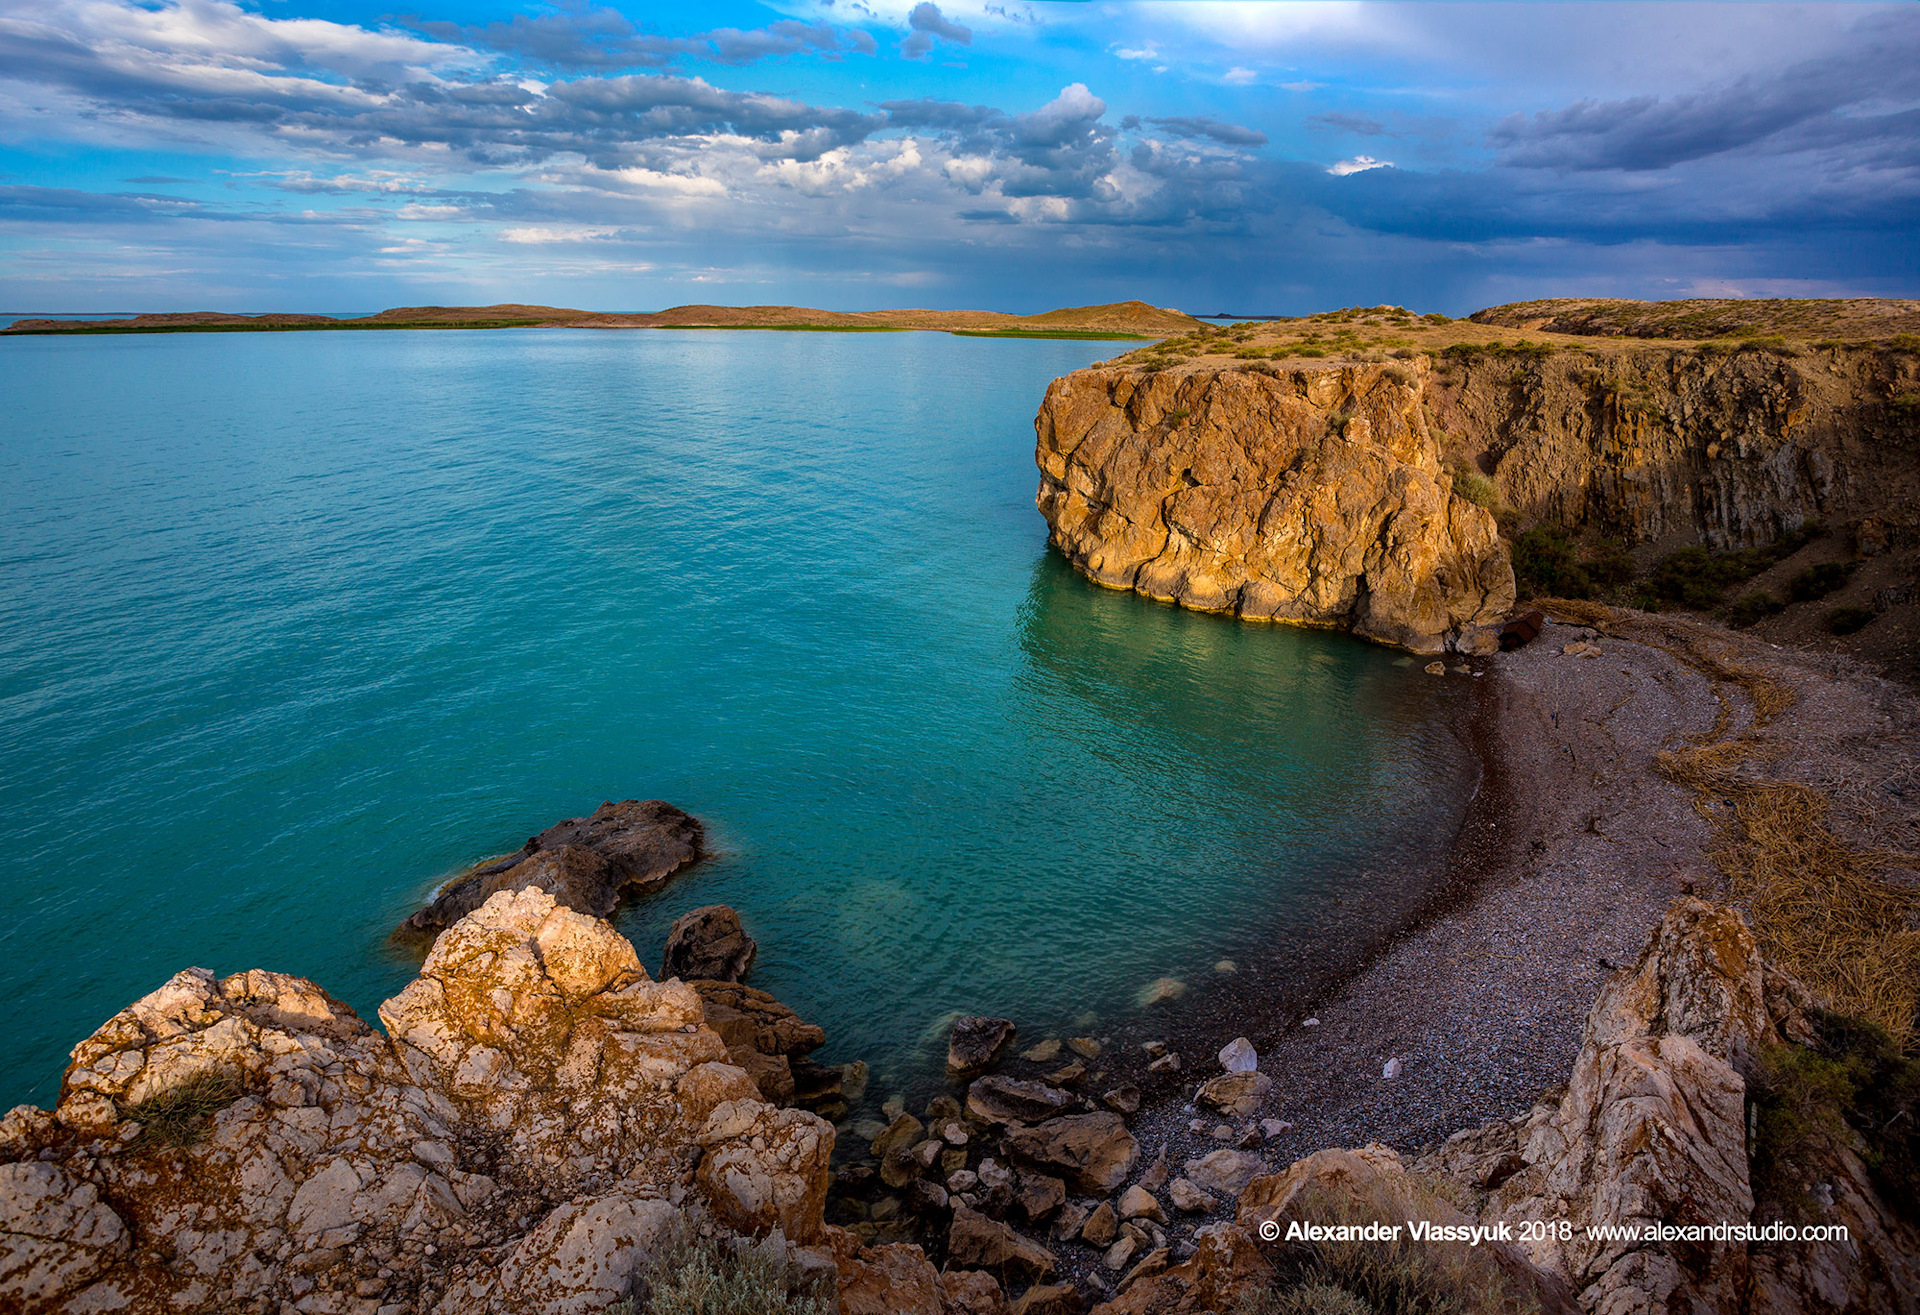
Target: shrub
(180,1114)
(707,1278)
(1696,578)
(1906,405)
(1473,486)
(1819,581)
(1545,564)
(1854,1089)
(1906,342)
(1846,620)
(1397,1277)
(1437,318)
(1754,607)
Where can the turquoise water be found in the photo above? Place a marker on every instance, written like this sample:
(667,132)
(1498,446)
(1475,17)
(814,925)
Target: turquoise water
(292,626)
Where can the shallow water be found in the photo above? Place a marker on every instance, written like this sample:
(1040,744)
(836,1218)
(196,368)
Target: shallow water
(294,625)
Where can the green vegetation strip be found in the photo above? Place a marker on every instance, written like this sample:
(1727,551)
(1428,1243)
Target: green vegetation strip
(798,328)
(281,328)
(1098,335)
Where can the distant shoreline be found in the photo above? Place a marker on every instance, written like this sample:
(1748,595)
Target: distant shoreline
(1130,321)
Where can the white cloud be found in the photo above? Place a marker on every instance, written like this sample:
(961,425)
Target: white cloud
(536,236)
(1359,164)
(1239,77)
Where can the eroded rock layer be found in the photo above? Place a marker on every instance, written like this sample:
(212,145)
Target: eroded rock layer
(1312,496)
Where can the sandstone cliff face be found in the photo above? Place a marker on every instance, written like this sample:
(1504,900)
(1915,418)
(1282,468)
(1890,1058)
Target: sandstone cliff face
(1315,496)
(1673,445)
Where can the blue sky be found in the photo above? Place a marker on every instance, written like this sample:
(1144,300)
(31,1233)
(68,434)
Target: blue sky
(334,155)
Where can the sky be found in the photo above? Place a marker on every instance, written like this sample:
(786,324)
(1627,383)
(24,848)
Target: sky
(342,156)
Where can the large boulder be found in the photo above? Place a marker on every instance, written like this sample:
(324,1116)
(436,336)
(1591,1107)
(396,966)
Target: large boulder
(1314,495)
(975,1042)
(999,1099)
(767,1169)
(763,1036)
(977,1242)
(585,863)
(708,944)
(1094,1153)
(56,1237)
(1236,1095)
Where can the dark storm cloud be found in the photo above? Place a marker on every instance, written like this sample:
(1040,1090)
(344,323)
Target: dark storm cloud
(1207,129)
(1831,98)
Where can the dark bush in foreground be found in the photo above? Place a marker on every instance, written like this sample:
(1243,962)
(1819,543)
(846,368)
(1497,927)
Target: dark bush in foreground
(1697,578)
(1754,607)
(1819,581)
(704,1277)
(1846,620)
(1385,1278)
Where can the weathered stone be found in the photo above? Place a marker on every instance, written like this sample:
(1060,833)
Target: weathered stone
(1189,1198)
(977,1242)
(1315,496)
(1225,1172)
(1084,1046)
(1236,1095)
(1124,1098)
(1000,1099)
(1138,1203)
(56,1236)
(772,1172)
(891,1279)
(1044,1053)
(1072,1217)
(1049,1299)
(762,1035)
(1094,1152)
(708,944)
(976,1042)
(972,1292)
(1101,1226)
(1040,1195)
(1238,1056)
(904,1132)
(1155,1175)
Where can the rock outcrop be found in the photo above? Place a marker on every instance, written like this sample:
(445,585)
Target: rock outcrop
(1652,1129)
(708,944)
(1672,445)
(539,1116)
(585,863)
(1311,496)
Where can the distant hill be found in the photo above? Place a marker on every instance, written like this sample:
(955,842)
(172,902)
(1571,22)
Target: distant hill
(1126,317)
(1849,318)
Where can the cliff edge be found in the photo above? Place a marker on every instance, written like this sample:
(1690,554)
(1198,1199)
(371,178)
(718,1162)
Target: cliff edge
(1314,496)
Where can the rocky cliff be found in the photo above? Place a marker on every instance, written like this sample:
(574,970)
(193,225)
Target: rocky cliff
(1315,496)
(1670,446)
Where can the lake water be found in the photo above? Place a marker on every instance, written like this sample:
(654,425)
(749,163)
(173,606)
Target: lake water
(294,625)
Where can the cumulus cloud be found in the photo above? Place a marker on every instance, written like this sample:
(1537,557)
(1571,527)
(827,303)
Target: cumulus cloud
(927,22)
(1357,165)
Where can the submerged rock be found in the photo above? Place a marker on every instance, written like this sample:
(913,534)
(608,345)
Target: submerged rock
(998,1099)
(976,1042)
(585,863)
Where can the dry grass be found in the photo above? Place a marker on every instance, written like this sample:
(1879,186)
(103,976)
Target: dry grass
(179,1115)
(1821,907)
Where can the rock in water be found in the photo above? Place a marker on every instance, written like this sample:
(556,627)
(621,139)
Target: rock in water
(976,1042)
(1314,496)
(585,863)
(708,944)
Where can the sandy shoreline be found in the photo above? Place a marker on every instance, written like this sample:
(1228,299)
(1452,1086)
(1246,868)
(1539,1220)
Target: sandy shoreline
(1571,850)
